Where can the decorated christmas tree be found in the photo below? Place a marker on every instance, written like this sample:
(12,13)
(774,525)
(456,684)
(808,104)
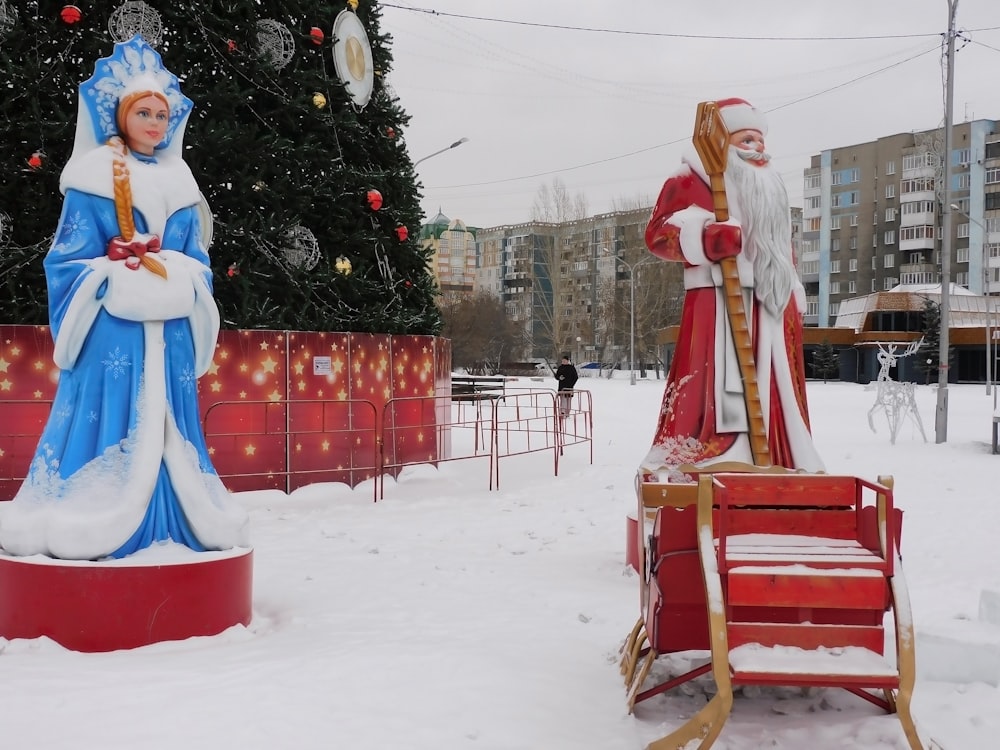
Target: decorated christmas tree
(295,140)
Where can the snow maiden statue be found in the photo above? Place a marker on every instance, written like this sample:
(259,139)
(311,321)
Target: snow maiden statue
(122,463)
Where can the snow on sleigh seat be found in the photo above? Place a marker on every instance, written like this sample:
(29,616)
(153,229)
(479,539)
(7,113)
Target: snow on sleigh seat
(799,572)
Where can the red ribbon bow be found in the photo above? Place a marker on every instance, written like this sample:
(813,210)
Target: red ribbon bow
(132,252)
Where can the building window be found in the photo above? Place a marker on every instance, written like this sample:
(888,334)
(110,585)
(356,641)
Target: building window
(890,237)
(854,242)
(992,175)
(834,287)
(835,245)
(812,181)
(890,167)
(834,308)
(962,255)
(917,233)
(815,201)
(835,178)
(889,283)
(853,197)
(963,181)
(852,287)
(873,285)
(963,230)
(873,263)
(834,266)
(834,223)
(916,185)
(890,191)
(852,265)
(813,224)
(888,260)
(917,161)
(854,220)
(855,175)
(992,201)
(917,207)
(963,156)
(890,214)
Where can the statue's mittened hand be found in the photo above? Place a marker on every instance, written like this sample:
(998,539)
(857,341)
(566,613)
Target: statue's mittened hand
(722,241)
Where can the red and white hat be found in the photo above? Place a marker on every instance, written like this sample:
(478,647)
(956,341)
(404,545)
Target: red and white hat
(739,114)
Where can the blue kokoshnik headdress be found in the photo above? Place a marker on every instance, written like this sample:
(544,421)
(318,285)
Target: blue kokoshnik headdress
(133,66)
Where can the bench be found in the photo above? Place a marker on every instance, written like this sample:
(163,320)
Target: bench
(477,387)
(798,571)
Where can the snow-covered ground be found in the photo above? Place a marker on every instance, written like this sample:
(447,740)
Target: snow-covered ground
(448,616)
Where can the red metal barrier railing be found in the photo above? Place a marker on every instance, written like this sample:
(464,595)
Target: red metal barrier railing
(285,445)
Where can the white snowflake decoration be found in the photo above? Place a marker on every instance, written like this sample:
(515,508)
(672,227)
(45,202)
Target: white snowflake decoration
(8,17)
(275,43)
(136,17)
(302,250)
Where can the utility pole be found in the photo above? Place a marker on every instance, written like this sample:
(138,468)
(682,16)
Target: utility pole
(941,413)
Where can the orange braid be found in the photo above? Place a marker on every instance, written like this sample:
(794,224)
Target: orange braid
(122,185)
(123,189)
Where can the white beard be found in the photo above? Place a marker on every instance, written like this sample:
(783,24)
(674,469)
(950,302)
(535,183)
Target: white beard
(761,204)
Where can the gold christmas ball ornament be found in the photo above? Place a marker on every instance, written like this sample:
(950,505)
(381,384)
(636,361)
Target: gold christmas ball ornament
(319,100)
(353,4)
(343,265)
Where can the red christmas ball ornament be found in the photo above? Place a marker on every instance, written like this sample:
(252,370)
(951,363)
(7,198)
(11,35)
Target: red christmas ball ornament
(231,45)
(374,199)
(35,160)
(233,271)
(402,232)
(407,283)
(391,133)
(70,14)
(316,34)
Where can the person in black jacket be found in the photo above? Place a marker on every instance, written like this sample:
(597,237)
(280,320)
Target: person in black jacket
(566,376)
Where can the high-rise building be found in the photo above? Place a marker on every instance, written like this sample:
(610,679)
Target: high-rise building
(871,218)
(453,258)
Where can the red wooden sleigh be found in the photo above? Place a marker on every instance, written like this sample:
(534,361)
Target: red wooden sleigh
(785,578)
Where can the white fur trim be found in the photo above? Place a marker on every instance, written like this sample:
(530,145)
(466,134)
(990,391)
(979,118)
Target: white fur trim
(743,117)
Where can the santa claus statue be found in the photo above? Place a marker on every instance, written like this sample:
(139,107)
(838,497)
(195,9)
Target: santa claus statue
(704,414)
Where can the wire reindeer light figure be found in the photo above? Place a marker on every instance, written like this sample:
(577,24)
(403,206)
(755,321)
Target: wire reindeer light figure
(898,400)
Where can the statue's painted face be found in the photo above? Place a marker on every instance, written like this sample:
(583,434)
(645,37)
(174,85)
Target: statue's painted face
(146,124)
(749,140)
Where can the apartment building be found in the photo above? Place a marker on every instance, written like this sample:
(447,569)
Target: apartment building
(574,284)
(453,259)
(872,216)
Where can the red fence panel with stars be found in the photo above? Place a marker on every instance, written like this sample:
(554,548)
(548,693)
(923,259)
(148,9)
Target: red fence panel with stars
(281,409)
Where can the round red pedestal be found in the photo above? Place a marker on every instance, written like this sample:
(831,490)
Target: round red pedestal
(118,604)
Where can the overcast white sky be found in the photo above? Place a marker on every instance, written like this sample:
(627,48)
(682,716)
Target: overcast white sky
(607,113)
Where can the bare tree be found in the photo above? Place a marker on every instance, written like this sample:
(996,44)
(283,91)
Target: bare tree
(555,204)
(482,336)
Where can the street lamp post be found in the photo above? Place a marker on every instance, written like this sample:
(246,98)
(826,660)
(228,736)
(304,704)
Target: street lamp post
(990,347)
(456,144)
(632,268)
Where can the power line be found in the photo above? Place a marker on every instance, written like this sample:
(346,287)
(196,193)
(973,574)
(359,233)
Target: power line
(670,35)
(681,140)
